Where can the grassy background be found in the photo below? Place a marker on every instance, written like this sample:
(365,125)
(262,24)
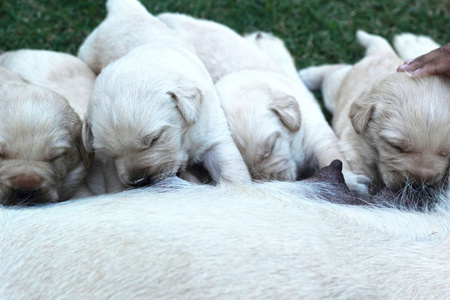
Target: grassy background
(315,31)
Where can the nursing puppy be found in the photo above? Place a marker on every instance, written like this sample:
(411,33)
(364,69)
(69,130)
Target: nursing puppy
(154,110)
(277,240)
(42,158)
(275,121)
(393,127)
(62,73)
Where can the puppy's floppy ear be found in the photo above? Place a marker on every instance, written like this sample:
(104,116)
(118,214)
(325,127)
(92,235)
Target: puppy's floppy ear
(85,145)
(87,137)
(188,100)
(360,113)
(288,110)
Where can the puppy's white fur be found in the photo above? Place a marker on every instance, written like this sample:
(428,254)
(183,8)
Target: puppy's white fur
(393,126)
(7,75)
(409,45)
(272,240)
(154,109)
(276,49)
(275,121)
(62,73)
(42,156)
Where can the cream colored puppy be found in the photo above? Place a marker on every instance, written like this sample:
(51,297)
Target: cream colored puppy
(154,110)
(393,127)
(275,121)
(62,73)
(277,240)
(41,151)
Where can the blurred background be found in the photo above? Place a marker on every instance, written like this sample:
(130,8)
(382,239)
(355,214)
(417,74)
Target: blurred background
(315,31)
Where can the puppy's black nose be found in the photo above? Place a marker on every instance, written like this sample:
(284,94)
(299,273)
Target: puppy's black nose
(138,178)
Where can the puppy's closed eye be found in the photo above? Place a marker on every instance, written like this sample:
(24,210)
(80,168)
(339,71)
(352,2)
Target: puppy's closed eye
(268,146)
(445,151)
(150,139)
(397,142)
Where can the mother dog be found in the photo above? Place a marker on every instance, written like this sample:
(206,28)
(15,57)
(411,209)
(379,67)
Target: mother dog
(277,240)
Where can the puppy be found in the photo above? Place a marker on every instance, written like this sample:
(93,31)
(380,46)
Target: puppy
(154,110)
(42,158)
(276,123)
(66,75)
(62,73)
(393,127)
(277,240)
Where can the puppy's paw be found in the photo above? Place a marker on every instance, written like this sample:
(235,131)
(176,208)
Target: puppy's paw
(410,45)
(359,184)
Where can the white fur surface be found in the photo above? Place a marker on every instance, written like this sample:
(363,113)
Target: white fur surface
(409,45)
(60,72)
(275,48)
(275,240)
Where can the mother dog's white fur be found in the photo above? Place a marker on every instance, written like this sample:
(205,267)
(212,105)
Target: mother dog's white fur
(272,240)
(275,121)
(154,110)
(393,127)
(62,73)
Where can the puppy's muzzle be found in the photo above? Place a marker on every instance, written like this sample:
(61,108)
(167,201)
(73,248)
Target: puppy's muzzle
(26,189)
(140,178)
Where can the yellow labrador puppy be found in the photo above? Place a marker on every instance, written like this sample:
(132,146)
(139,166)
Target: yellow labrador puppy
(393,127)
(276,123)
(64,74)
(42,158)
(154,110)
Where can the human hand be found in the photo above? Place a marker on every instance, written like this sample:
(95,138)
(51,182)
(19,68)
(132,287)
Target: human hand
(433,63)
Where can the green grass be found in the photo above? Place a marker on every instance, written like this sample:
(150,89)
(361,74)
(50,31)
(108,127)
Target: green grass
(316,32)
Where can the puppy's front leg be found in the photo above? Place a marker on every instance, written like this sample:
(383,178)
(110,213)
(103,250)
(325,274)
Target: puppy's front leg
(225,164)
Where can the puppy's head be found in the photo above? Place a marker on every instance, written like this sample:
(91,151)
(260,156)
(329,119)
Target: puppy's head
(139,121)
(406,120)
(40,145)
(263,121)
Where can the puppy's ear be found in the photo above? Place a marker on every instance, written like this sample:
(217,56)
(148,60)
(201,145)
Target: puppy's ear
(360,113)
(188,100)
(288,110)
(87,157)
(85,145)
(87,137)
